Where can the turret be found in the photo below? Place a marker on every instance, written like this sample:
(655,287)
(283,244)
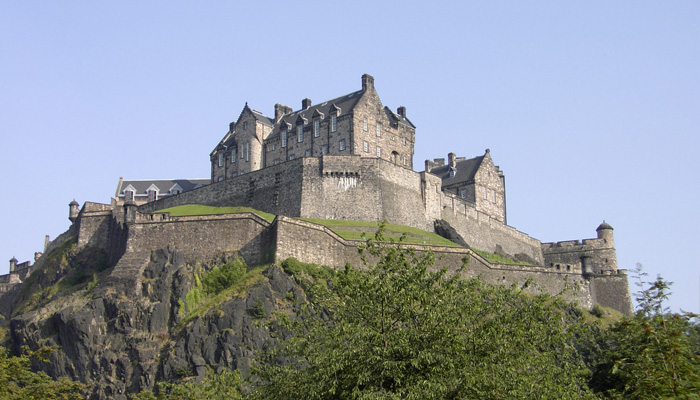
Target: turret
(129,212)
(605,232)
(73,210)
(13,264)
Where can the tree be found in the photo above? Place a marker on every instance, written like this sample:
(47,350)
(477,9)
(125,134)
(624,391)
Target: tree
(399,328)
(653,355)
(18,382)
(225,385)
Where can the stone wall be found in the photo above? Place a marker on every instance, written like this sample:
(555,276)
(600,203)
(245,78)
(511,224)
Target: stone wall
(93,225)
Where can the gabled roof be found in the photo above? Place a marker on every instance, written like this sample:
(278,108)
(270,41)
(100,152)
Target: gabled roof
(163,185)
(398,118)
(262,118)
(464,171)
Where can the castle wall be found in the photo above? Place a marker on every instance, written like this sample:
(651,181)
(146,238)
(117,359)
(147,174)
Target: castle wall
(612,291)
(201,236)
(601,255)
(93,225)
(485,233)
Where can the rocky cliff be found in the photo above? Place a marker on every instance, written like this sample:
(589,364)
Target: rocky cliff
(120,341)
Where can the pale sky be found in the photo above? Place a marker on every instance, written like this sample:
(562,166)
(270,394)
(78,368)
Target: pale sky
(591,109)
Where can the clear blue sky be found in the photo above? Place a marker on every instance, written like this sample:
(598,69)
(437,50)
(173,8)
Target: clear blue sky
(592,109)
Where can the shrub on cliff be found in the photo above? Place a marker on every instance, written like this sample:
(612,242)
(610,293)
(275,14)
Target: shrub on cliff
(220,278)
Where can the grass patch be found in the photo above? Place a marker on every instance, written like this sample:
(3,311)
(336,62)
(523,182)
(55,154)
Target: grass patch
(392,232)
(199,209)
(495,258)
(250,278)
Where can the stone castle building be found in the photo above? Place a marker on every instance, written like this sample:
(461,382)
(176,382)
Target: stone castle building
(349,158)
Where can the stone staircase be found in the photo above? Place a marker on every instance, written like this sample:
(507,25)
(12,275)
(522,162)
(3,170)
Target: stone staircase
(128,272)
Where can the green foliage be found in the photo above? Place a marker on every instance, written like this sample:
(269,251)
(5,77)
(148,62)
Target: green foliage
(495,258)
(193,298)
(399,329)
(222,386)
(198,209)
(218,279)
(18,382)
(652,355)
(300,270)
(258,310)
(597,311)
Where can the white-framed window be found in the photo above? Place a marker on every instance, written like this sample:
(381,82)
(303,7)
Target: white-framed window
(379,129)
(404,160)
(403,141)
(379,151)
(300,133)
(364,124)
(342,144)
(291,157)
(233,154)
(485,194)
(365,146)
(128,195)
(247,151)
(463,193)
(324,149)
(308,153)
(284,137)
(334,123)
(221,159)
(317,128)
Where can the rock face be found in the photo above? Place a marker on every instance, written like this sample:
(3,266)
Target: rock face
(122,344)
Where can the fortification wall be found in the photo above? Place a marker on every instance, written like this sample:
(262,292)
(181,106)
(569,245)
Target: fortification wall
(93,225)
(485,233)
(612,291)
(201,236)
(601,255)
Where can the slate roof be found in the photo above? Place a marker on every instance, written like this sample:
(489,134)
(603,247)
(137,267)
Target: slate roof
(163,185)
(465,171)
(262,118)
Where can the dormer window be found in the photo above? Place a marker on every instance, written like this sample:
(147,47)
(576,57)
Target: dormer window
(300,133)
(129,195)
(317,128)
(152,193)
(334,122)
(453,172)
(284,137)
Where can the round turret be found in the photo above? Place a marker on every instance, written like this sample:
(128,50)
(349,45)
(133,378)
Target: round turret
(605,232)
(73,210)
(13,264)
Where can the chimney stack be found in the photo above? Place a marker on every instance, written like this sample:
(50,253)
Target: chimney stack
(452,159)
(281,110)
(306,103)
(401,111)
(367,82)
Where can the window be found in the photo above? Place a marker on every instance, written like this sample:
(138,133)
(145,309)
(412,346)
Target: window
(364,124)
(452,172)
(308,153)
(463,193)
(128,195)
(221,178)
(493,195)
(404,160)
(485,195)
(342,144)
(234,174)
(291,157)
(284,138)
(379,151)
(379,129)
(317,128)
(221,159)
(245,124)
(324,149)
(403,140)
(277,161)
(365,146)
(334,123)
(247,151)
(300,133)
(233,155)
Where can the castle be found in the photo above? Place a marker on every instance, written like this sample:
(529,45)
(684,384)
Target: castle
(349,158)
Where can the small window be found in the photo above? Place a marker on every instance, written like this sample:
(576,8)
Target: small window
(308,153)
(284,138)
(317,128)
(221,178)
(485,193)
(128,195)
(233,155)
(463,193)
(379,129)
(221,159)
(404,160)
(365,146)
(234,174)
(324,149)
(453,172)
(493,195)
(291,157)
(245,125)
(342,144)
(277,161)
(379,151)
(364,124)
(247,151)
(334,123)
(403,140)
(300,133)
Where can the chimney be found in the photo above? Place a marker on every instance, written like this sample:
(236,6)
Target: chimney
(306,103)
(367,82)
(401,111)
(280,111)
(451,158)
